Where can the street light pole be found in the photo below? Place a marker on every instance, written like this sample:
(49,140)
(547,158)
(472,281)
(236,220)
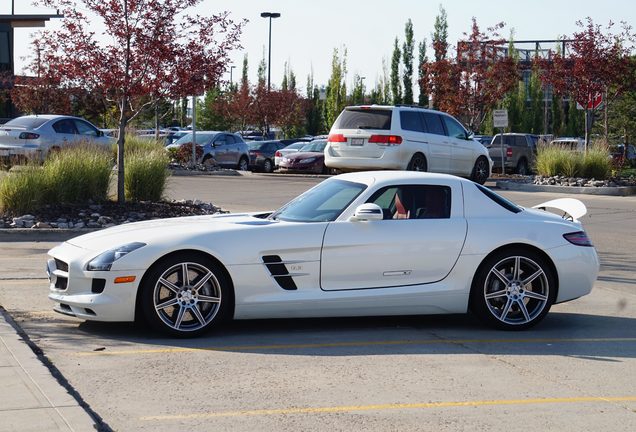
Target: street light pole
(269,15)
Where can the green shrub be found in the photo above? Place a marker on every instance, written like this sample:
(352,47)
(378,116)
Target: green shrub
(571,163)
(145,175)
(22,190)
(597,163)
(134,144)
(77,174)
(549,160)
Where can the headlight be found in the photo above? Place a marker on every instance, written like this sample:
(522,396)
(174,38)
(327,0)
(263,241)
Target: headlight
(306,161)
(105,260)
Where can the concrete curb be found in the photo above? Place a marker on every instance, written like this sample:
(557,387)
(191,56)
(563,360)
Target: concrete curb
(528,187)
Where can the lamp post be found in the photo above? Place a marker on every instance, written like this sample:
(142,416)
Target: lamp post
(231,68)
(269,15)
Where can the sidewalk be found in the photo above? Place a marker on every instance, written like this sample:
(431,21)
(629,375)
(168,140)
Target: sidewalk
(31,399)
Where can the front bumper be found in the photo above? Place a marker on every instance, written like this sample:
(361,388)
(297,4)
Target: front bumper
(89,295)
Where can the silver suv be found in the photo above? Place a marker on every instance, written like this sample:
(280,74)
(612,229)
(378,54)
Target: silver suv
(517,152)
(404,138)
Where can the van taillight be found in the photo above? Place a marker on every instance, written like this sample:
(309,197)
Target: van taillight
(509,152)
(337,138)
(386,139)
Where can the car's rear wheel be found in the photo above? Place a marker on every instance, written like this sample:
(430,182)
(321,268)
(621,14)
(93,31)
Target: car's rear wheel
(268,166)
(417,163)
(513,289)
(243,164)
(522,167)
(480,170)
(186,295)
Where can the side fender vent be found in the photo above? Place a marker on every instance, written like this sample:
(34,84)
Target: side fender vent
(279,272)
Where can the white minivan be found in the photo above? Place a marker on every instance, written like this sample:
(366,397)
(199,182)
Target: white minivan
(374,137)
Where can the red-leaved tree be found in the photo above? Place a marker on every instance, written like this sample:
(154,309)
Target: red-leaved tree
(472,83)
(146,48)
(595,67)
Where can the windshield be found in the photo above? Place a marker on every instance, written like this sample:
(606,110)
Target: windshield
(314,146)
(202,138)
(322,203)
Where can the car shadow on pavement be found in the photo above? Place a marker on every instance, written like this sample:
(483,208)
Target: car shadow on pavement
(566,334)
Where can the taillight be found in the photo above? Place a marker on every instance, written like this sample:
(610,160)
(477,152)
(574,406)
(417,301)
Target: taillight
(29,135)
(337,138)
(578,238)
(388,140)
(509,152)
(278,153)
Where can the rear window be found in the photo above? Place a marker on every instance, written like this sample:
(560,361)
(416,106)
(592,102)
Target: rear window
(364,119)
(26,122)
(508,205)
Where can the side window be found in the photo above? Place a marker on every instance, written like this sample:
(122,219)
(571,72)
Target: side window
(412,121)
(229,139)
(414,202)
(520,141)
(220,140)
(453,127)
(434,123)
(65,126)
(85,129)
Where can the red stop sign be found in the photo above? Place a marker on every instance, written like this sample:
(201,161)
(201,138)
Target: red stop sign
(593,101)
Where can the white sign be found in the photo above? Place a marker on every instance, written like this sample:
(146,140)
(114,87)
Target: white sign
(500,118)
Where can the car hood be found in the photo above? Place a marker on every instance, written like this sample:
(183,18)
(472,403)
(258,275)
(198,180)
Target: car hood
(304,155)
(159,230)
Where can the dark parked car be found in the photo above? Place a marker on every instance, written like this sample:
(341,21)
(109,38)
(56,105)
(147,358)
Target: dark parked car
(518,152)
(227,149)
(262,154)
(310,158)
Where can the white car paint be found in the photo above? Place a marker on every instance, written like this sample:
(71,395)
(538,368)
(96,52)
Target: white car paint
(341,267)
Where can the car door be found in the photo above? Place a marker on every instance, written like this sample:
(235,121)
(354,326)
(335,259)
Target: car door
(462,149)
(221,151)
(418,242)
(232,150)
(440,149)
(65,133)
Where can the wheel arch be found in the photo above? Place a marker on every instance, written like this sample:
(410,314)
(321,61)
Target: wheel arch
(416,153)
(138,312)
(515,246)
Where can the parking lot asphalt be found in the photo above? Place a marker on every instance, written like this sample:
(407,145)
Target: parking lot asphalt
(439,373)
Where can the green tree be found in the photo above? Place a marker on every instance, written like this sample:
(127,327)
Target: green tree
(357,93)
(244,80)
(576,120)
(440,35)
(396,85)
(407,59)
(336,87)
(557,114)
(422,99)
(209,112)
(533,114)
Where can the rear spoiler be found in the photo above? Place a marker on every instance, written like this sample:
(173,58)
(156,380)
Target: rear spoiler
(573,209)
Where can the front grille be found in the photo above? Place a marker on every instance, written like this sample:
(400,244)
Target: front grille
(61,265)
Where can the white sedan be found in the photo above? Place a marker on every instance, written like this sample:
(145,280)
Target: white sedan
(358,244)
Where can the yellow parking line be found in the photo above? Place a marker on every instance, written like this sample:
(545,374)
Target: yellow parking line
(382,407)
(351,344)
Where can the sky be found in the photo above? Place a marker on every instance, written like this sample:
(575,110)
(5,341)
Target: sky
(308,30)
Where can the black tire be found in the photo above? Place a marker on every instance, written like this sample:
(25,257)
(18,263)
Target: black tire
(268,166)
(522,167)
(186,306)
(417,163)
(480,171)
(513,289)
(243,164)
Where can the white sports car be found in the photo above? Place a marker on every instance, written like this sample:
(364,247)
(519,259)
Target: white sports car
(359,244)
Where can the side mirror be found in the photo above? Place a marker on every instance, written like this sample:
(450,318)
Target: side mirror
(100,133)
(367,212)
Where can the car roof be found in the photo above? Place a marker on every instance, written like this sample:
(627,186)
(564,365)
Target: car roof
(370,177)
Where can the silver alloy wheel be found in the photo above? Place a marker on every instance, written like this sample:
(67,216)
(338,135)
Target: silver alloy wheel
(187,297)
(516,290)
(480,171)
(243,165)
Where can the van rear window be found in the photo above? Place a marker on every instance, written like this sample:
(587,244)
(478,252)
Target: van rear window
(357,118)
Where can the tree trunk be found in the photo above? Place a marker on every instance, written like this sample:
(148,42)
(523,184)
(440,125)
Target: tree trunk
(123,121)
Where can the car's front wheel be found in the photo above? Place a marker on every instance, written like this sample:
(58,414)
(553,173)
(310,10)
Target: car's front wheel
(513,289)
(186,295)
(480,170)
